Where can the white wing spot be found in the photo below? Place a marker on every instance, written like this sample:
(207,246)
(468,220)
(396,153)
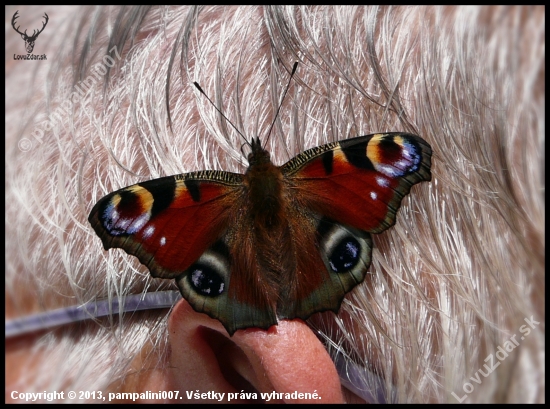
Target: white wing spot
(373,195)
(148,232)
(115,215)
(386,170)
(382,181)
(407,150)
(162,241)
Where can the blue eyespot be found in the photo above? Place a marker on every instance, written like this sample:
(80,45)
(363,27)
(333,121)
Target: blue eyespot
(345,255)
(205,281)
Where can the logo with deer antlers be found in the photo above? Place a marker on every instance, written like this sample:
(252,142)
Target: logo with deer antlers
(29,40)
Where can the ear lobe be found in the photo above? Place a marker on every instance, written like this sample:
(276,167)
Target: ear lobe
(204,358)
(193,362)
(275,357)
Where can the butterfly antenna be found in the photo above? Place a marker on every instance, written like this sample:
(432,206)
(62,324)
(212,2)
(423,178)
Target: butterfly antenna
(221,113)
(282,99)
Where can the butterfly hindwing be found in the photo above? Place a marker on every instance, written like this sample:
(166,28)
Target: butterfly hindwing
(216,285)
(331,262)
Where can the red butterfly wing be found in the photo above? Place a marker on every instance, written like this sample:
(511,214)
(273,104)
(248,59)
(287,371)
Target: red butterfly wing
(183,227)
(244,254)
(360,182)
(332,259)
(347,190)
(167,223)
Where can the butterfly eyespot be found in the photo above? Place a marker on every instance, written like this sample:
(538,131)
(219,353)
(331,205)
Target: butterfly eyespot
(345,255)
(125,213)
(205,281)
(344,249)
(208,277)
(394,155)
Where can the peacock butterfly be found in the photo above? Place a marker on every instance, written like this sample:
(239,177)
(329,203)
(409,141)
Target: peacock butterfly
(279,242)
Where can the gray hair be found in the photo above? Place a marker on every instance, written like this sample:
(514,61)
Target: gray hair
(114,105)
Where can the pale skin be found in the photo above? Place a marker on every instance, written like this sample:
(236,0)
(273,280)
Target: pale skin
(286,358)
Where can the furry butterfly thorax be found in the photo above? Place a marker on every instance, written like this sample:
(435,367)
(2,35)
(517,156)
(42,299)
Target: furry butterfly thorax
(277,242)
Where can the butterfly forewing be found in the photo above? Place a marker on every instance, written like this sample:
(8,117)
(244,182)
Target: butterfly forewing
(168,223)
(360,182)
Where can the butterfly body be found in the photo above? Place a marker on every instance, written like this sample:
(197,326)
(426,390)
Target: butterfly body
(277,242)
(263,182)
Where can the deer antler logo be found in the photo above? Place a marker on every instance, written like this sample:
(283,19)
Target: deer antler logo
(29,40)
